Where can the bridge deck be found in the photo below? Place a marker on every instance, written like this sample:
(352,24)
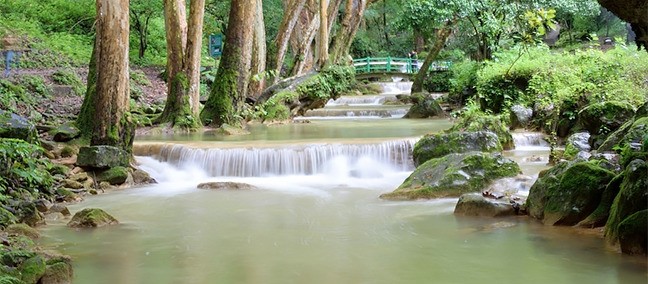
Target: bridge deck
(395,65)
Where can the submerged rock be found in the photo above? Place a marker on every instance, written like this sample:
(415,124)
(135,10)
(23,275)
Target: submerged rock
(114,176)
(424,106)
(440,144)
(92,218)
(475,204)
(454,174)
(567,193)
(226,186)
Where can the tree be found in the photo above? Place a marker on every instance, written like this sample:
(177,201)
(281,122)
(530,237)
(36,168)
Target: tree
(258,53)
(353,14)
(104,116)
(141,12)
(323,39)
(229,90)
(184,43)
(277,53)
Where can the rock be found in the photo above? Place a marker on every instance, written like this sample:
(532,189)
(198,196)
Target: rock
(453,175)
(60,208)
(65,132)
(633,234)
(58,169)
(32,269)
(576,143)
(608,161)
(114,175)
(18,127)
(226,186)
(424,106)
(474,204)
(42,205)
(631,198)
(80,177)
(66,195)
(23,230)
(142,177)
(438,145)
(405,99)
(102,157)
(483,122)
(68,183)
(7,218)
(227,129)
(520,116)
(104,185)
(605,117)
(630,134)
(48,145)
(57,273)
(92,218)
(567,193)
(27,213)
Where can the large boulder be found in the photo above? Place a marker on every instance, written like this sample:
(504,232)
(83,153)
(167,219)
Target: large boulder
(630,134)
(475,204)
(577,143)
(484,122)
(631,198)
(633,233)
(102,157)
(92,218)
(453,175)
(520,116)
(15,126)
(604,117)
(440,144)
(424,106)
(567,193)
(226,186)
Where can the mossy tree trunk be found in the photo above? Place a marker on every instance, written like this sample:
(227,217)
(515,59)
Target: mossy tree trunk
(441,37)
(184,42)
(229,90)
(104,116)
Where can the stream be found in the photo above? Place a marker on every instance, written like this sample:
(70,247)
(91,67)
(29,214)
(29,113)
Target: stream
(316,216)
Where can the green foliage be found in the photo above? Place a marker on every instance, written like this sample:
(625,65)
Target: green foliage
(36,85)
(276,107)
(438,82)
(463,81)
(23,168)
(139,77)
(70,78)
(13,96)
(331,82)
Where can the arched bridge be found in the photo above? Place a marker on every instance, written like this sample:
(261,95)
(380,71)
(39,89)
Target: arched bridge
(371,67)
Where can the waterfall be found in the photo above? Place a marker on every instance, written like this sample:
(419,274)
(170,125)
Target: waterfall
(394,88)
(326,113)
(362,160)
(529,140)
(357,100)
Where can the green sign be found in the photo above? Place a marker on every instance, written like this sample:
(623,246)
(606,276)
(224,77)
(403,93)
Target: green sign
(215,45)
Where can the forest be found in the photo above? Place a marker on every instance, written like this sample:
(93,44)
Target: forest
(500,115)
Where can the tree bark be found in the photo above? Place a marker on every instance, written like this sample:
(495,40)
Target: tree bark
(322,57)
(184,43)
(105,111)
(257,84)
(441,37)
(288,23)
(230,87)
(344,37)
(304,55)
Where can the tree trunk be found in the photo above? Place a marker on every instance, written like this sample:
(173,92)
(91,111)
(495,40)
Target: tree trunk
(322,57)
(184,44)
(194,47)
(303,56)
(105,111)
(257,84)
(230,87)
(441,37)
(419,40)
(344,37)
(278,52)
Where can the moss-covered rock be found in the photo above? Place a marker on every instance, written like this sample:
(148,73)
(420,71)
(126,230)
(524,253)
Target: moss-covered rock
(483,122)
(6,218)
(453,175)
(65,132)
(32,269)
(567,193)
(424,106)
(474,204)
(15,126)
(631,198)
(114,175)
(440,144)
(23,230)
(57,273)
(226,186)
(576,143)
(92,218)
(66,195)
(102,157)
(602,212)
(633,233)
(605,117)
(630,134)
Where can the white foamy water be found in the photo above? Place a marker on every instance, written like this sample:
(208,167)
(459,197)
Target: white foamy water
(530,141)
(395,88)
(357,101)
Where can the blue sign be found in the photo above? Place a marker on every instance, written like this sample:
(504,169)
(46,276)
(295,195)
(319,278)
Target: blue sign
(215,45)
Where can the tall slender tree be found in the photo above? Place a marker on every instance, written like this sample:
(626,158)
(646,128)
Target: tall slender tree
(353,14)
(230,88)
(277,53)
(258,53)
(104,116)
(184,43)
(323,40)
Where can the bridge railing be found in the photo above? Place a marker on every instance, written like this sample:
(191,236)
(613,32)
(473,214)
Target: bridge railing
(395,65)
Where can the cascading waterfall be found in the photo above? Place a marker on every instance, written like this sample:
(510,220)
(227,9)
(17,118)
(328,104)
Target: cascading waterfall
(360,160)
(357,100)
(395,88)
(529,140)
(327,113)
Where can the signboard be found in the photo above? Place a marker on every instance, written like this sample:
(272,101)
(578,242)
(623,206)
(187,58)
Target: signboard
(215,45)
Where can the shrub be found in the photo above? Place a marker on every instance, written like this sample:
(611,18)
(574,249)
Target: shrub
(70,78)
(23,169)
